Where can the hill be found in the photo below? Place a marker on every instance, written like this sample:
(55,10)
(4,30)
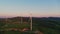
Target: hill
(50,25)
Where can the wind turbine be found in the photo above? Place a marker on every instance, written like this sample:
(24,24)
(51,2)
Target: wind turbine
(31,21)
(6,20)
(21,19)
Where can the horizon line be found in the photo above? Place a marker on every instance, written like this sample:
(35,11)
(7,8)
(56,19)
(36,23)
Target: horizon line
(27,16)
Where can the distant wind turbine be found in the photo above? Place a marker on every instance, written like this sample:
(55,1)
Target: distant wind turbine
(21,19)
(31,21)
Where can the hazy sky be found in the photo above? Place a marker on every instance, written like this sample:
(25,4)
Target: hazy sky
(38,8)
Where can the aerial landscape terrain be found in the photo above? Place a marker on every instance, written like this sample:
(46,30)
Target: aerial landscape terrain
(50,25)
(29,16)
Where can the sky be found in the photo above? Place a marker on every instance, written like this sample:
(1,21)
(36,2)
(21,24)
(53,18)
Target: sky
(38,8)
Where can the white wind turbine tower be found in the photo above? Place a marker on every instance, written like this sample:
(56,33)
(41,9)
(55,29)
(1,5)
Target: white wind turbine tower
(31,21)
(6,20)
(21,19)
